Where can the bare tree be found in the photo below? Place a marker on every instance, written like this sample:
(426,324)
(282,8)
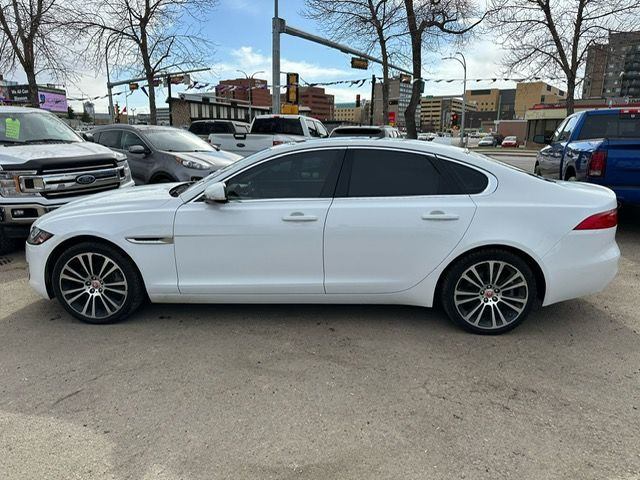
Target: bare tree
(31,37)
(426,20)
(553,37)
(368,23)
(146,37)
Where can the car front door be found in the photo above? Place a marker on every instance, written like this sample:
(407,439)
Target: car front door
(550,157)
(139,163)
(268,237)
(395,218)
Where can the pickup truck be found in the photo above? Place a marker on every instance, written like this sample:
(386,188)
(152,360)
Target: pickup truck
(45,164)
(267,131)
(596,146)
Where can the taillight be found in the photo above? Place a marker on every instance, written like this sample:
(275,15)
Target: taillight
(277,142)
(597,163)
(600,220)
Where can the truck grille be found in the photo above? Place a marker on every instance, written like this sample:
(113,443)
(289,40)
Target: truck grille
(73,181)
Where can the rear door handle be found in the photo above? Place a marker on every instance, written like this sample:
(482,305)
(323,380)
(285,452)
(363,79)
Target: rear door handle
(440,215)
(299,217)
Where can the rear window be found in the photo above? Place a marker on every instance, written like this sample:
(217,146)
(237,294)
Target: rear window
(357,132)
(284,126)
(610,126)
(205,128)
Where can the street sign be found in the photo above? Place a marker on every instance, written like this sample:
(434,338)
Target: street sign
(359,63)
(290,109)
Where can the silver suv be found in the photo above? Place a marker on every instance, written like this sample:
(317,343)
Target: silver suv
(163,154)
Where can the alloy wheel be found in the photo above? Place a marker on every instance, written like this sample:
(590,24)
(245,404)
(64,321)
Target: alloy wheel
(491,294)
(93,285)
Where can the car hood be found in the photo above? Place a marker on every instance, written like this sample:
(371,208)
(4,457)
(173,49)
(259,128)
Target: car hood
(133,199)
(15,155)
(215,158)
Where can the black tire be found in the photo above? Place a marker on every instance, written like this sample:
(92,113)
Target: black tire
(537,170)
(125,286)
(502,314)
(7,244)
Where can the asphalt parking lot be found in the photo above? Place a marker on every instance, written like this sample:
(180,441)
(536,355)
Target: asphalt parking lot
(321,392)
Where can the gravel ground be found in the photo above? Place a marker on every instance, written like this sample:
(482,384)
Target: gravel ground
(320,392)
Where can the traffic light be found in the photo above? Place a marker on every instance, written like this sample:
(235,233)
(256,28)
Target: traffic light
(358,100)
(292,88)
(117,113)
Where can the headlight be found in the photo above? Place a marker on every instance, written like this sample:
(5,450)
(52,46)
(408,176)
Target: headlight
(38,237)
(127,173)
(196,164)
(10,184)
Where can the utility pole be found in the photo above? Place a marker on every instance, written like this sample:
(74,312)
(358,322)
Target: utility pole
(462,62)
(276,28)
(109,87)
(169,93)
(250,78)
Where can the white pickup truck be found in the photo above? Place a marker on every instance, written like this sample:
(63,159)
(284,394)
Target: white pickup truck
(267,131)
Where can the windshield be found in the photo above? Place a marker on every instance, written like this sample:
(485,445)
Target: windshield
(34,127)
(176,140)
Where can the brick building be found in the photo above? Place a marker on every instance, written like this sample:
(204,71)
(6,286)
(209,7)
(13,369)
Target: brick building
(238,89)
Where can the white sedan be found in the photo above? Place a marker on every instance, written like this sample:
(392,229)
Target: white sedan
(335,221)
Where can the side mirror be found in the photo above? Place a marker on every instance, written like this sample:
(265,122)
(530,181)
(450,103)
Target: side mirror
(88,136)
(137,149)
(215,193)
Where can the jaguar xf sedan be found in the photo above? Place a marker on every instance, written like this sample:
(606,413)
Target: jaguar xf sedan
(335,221)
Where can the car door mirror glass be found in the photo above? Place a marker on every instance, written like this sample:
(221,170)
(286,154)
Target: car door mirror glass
(215,193)
(137,149)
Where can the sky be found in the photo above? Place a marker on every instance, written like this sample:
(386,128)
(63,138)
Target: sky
(241,33)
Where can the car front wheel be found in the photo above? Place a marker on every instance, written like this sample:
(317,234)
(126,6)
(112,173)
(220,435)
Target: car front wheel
(489,292)
(96,283)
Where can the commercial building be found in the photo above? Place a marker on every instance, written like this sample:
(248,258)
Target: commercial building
(320,103)
(612,70)
(239,89)
(349,113)
(492,103)
(529,94)
(436,112)
(188,107)
(399,97)
(162,117)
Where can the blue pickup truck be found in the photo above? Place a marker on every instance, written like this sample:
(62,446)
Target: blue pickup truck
(597,146)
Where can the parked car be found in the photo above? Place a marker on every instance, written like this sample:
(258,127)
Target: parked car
(510,141)
(384,131)
(269,130)
(488,141)
(597,146)
(204,128)
(44,164)
(163,154)
(335,221)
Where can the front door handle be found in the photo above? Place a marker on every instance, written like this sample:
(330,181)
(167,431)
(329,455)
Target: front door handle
(299,217)
(440,215)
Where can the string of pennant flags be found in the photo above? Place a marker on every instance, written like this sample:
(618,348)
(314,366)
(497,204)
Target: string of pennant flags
(353,83)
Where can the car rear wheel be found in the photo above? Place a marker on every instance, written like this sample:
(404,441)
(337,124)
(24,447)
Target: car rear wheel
(489,292)
(97,284)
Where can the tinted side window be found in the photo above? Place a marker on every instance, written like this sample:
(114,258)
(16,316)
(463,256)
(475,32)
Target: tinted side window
(610,126)
(463,180)
(130,139)
(110,138)
(568,129)
(313,131)
(388,173)
(198,128)
(300,175)
(321,130)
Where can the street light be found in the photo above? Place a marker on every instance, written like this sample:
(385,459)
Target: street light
(462,62)
(250,87)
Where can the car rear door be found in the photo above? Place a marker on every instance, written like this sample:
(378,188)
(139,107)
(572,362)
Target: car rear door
(395,218)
